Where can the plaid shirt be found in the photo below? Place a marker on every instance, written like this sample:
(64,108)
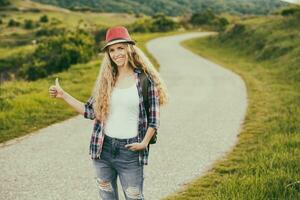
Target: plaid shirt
(98,133)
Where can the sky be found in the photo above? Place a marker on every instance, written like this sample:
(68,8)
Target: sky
(292,1)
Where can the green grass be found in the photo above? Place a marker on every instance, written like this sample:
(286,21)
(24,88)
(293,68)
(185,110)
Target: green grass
(265,162)
(7,52)
(26,106)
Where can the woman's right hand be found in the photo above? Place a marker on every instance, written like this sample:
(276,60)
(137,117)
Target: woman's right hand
(56,91)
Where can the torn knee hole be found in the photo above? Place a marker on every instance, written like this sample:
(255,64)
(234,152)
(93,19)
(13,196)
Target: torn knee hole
(104,185)
(133,193)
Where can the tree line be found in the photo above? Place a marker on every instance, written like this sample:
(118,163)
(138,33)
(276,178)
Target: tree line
(170,8)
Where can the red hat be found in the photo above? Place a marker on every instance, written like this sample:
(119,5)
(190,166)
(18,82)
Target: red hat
(116,35)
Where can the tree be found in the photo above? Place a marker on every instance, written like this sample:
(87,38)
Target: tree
(4,2)
(202,18)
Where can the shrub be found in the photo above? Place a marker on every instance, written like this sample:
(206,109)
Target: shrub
(28,24)
(203,18)
(161,23)
(33,71)
(99,35)
(58,53)
(12,23)
(49,31)
(238,29)
(290,11)
(221,24)
(141,26)
(44,19)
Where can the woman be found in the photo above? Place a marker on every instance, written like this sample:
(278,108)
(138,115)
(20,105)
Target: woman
(123,128)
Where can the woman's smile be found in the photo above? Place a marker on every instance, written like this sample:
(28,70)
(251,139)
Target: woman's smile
(118,53)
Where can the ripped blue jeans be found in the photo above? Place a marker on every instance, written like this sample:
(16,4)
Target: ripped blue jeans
(116,160)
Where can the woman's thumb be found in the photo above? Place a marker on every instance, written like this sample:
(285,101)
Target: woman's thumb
(56,82)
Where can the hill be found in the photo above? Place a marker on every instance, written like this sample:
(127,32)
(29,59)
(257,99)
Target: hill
(172,8)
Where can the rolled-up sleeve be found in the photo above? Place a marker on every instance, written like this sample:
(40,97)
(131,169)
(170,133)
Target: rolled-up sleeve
(154,112)
(89,112)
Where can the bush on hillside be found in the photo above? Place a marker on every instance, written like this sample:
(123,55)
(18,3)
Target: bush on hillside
(202,18)
(99,35)
(28,24)
(13,23)
(237,29)
(140,26)
(208,19)
(290,11)
(49,31)
(58,53)
(220,23)
(158,23)
(44,19)
(161,23)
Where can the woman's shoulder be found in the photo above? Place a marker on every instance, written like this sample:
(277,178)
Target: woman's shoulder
(143,75)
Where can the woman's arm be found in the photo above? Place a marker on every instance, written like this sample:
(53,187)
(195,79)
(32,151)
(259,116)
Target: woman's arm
(77,105)
(153,121)
(57,92)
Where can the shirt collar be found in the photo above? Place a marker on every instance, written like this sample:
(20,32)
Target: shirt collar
(137,70)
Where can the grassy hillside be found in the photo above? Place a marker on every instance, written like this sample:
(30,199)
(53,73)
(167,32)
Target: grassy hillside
(21,25)
(28,10)
(33,10)
(264,164)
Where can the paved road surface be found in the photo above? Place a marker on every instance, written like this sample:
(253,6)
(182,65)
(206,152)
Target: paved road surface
(201,123)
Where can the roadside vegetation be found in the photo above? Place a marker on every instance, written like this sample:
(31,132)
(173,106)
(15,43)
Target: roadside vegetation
(264,165)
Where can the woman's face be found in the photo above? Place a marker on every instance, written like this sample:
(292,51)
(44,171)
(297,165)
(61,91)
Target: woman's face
(118,54)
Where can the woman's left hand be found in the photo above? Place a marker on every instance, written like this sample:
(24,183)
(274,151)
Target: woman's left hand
(136,146)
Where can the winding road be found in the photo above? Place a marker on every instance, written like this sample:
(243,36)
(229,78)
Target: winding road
(199,125)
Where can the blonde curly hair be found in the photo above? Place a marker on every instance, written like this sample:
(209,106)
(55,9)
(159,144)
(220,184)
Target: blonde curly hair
(108,75)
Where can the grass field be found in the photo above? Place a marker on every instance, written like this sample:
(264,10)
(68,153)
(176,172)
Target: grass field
(265,164)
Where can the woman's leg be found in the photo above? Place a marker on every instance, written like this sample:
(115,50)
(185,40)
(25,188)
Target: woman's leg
(131,174)
(106,178)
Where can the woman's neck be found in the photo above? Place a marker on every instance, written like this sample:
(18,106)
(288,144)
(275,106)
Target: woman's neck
(123,71)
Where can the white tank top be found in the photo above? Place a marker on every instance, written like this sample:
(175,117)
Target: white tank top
(122,121)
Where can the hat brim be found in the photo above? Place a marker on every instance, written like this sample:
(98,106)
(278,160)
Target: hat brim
(117,41)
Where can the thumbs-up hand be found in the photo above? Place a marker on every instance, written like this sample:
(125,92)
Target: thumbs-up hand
(55,90)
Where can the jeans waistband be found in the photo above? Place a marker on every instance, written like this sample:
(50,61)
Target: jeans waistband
(121,141)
